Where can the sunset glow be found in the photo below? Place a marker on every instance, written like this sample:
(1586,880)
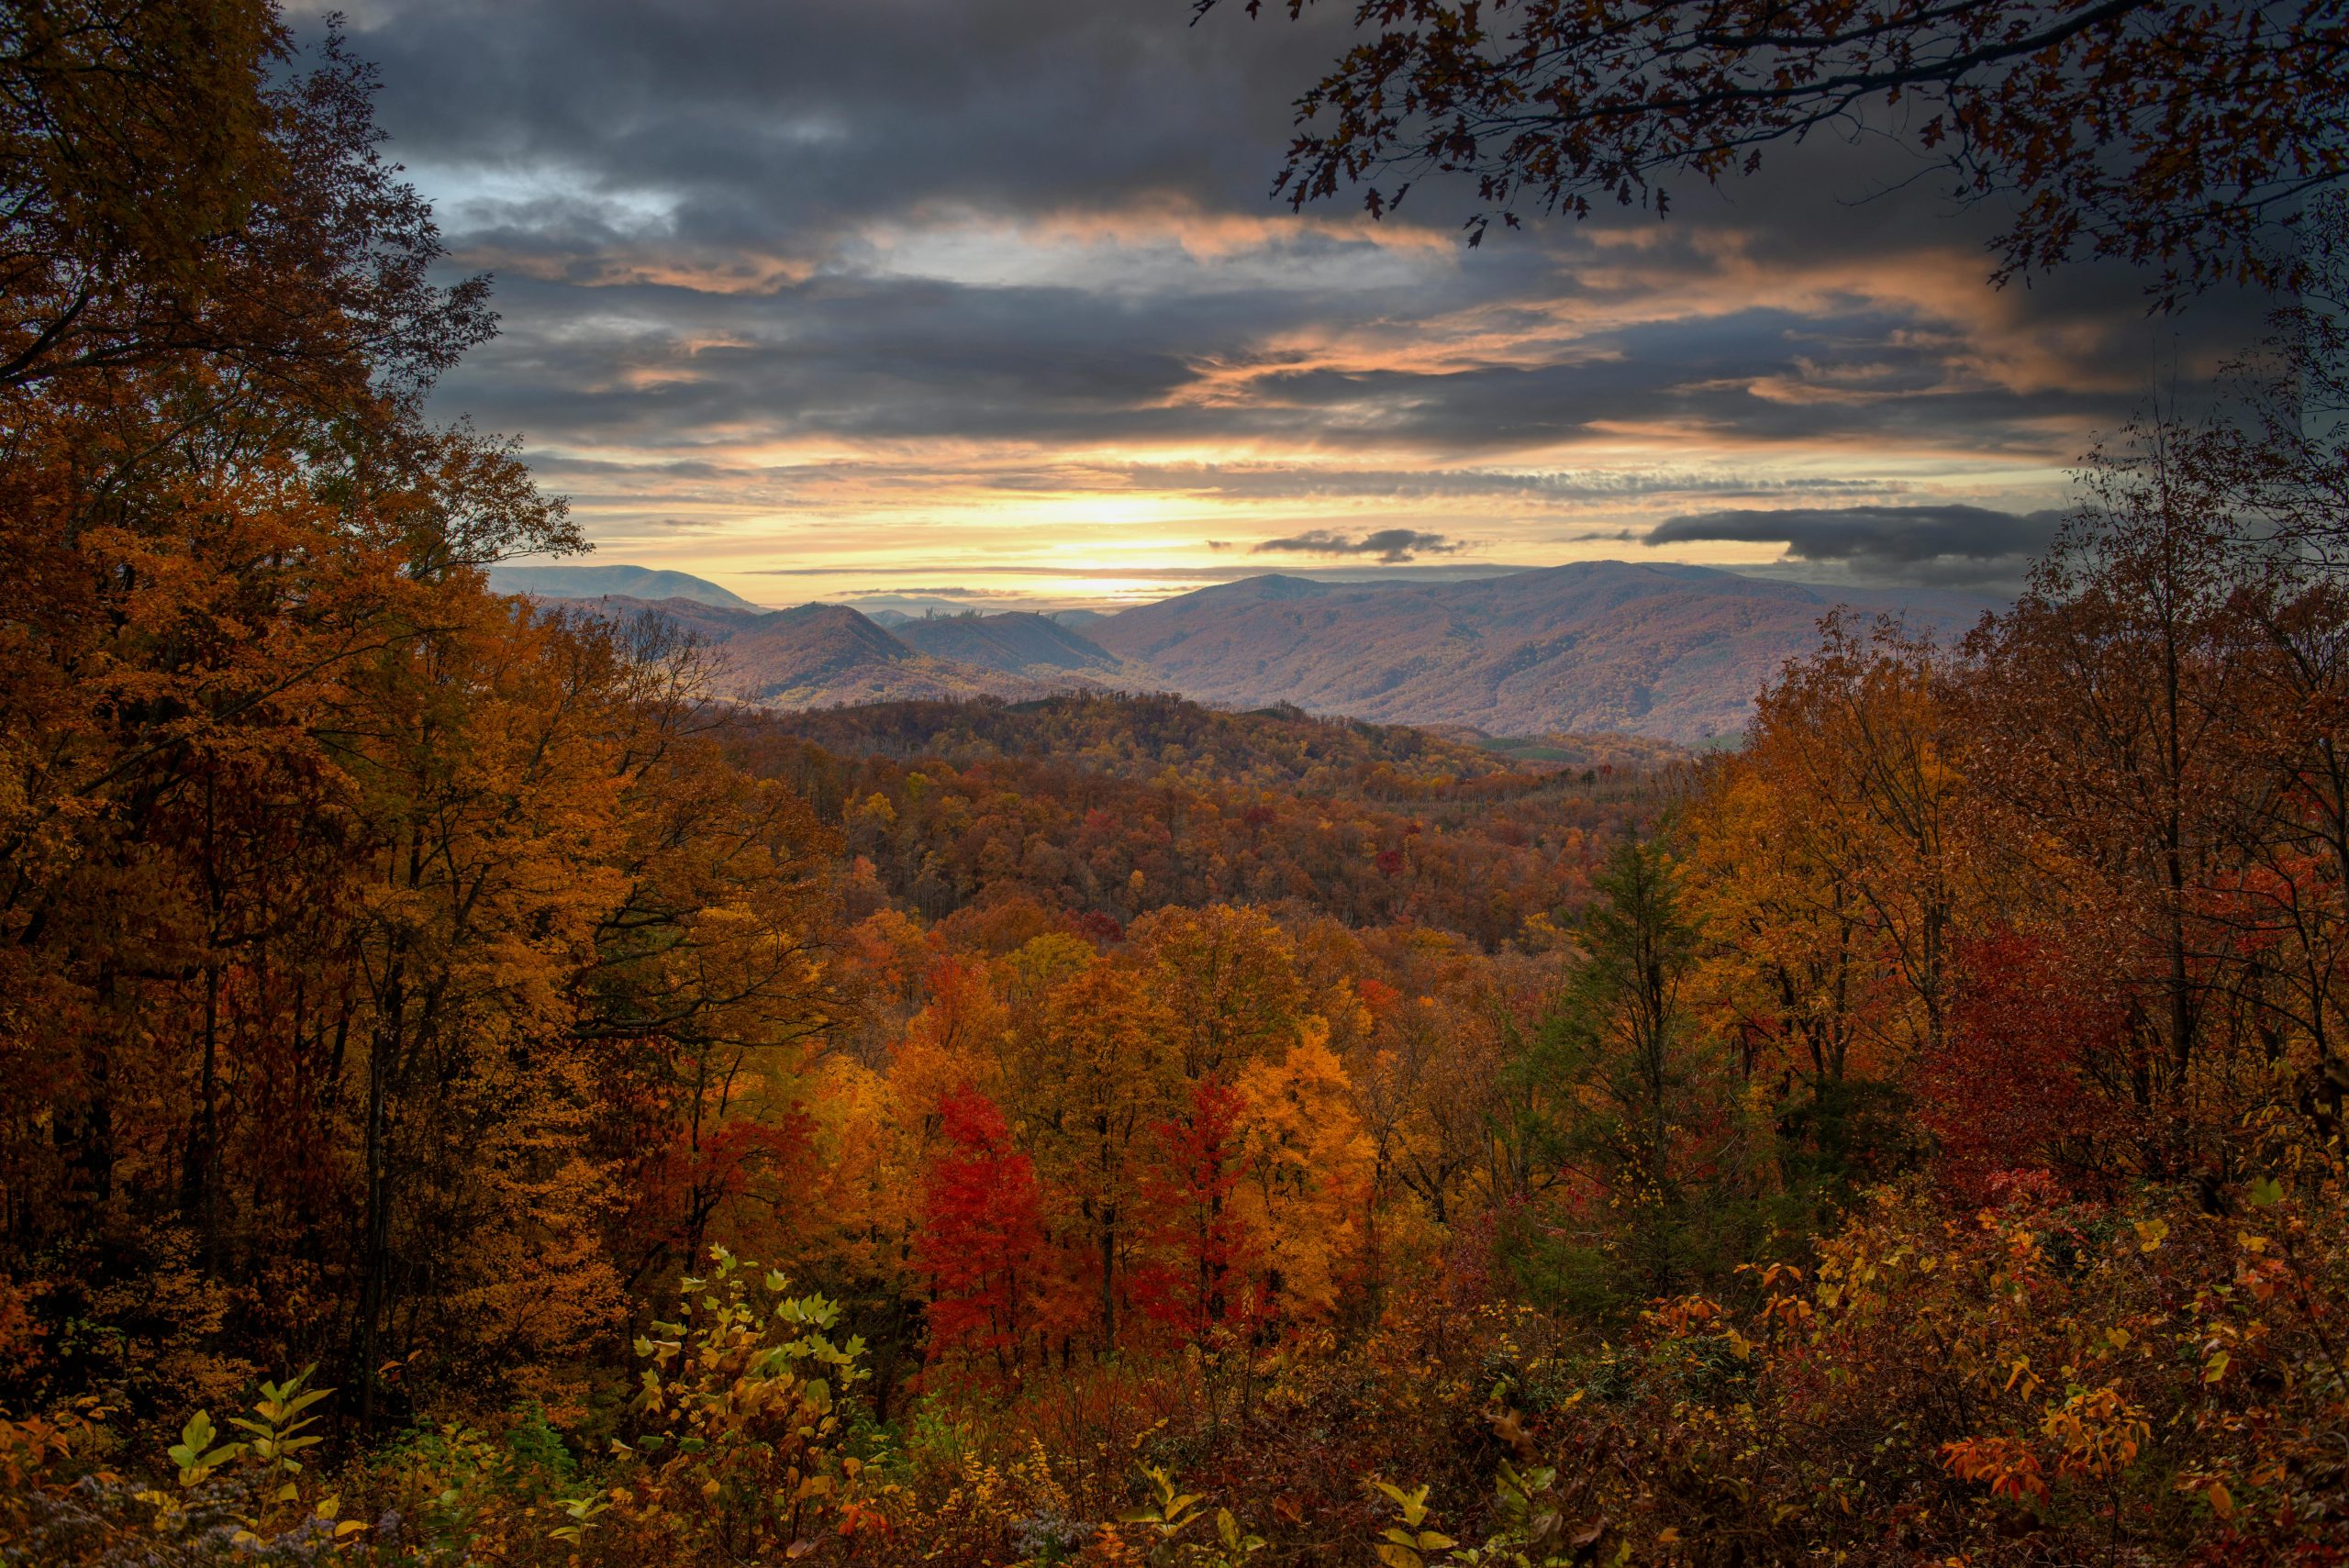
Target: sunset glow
(815,305)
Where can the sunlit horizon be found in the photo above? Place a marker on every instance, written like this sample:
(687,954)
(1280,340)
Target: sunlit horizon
(812,330)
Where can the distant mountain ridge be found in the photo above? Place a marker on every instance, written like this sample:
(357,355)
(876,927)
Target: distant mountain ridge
(1668,650)
(823,656)
(1671,652)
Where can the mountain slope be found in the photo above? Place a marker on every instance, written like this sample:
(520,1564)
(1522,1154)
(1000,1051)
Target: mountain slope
(1019,642)
(816,656)
(596,581)
(1666,651)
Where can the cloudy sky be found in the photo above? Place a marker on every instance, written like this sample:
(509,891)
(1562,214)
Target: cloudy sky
(829,298)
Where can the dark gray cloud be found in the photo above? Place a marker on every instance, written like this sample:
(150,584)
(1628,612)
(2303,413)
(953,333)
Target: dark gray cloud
(1950,546)
(1389,544)
(895,360)
(864,242)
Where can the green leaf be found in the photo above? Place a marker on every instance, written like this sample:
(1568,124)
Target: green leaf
(194,1454)
(197,1434)
(305,1402)
(2266,1193)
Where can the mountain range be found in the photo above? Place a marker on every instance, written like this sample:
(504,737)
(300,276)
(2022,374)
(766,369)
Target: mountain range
(824,656)
(1672,651)
(1669,650)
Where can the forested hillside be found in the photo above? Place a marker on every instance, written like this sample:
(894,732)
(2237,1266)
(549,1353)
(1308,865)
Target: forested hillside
(1146,738)
(1020,642)
(1660,650)
(471,1094)
(1120,819)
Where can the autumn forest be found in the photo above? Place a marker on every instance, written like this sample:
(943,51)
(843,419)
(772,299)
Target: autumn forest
(473,1091)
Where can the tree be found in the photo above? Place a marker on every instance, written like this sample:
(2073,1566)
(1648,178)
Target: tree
(2106,713)
(1424,1091)
(707,989)
(982,1236)
(361,930)
(2014,1091)
(178,190)
(2174,132)
(1833,862)
(1092,1080)
(1228,980)
(1202,1278)
(1649,1102)
(1308,1173)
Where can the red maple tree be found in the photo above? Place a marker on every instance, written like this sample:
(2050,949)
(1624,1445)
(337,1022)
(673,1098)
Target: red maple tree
(1202,1276)
(980,1235)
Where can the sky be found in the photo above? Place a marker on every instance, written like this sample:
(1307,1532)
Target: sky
(830,299)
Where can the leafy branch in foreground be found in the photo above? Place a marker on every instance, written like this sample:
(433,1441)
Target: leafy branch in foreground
(2180,134)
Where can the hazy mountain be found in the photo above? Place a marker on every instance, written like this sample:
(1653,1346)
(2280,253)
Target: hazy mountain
(1671,652)
(1020,642)
(595,582)
(819,656)
(1666,651)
